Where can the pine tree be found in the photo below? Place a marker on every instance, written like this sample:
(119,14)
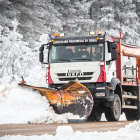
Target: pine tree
(128,19)
(116,16)
(16,59)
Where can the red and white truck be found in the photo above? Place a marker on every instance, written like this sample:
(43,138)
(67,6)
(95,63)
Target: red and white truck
(112,75)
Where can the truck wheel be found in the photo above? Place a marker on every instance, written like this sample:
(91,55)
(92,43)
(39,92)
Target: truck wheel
(113,113)
(131,114)
(95,115)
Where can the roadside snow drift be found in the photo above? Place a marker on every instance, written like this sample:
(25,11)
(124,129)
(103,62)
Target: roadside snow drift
(130,132)
(20,106)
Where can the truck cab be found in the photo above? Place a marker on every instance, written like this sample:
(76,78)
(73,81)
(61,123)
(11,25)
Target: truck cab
(82,58)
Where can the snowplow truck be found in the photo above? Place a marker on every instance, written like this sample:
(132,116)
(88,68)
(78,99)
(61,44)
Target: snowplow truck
(104,76)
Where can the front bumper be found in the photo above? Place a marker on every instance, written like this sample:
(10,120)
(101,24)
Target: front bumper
(109,93)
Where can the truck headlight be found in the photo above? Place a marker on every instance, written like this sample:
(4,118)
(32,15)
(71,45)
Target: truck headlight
(100,94)
(46,65)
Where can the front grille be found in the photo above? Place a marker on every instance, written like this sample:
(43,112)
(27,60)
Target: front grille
(88,73)
(64,77)
(71,79)
(85,73)
(61,74)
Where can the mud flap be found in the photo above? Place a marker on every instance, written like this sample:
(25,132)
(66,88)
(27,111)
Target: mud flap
(138,111)
(72,97)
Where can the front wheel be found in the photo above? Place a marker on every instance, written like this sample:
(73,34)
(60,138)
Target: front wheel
(113,112)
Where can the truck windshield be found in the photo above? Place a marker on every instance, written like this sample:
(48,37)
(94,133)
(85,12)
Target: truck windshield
(76,53)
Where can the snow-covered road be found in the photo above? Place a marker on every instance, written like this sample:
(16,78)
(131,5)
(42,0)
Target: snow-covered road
(41,129)
(130,132)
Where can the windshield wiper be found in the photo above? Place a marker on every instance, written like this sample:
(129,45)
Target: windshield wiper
(63,59)
(82,59)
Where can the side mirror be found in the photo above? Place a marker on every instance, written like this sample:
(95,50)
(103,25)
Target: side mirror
(114,54)
(114,46)
(41,55)
(41,49)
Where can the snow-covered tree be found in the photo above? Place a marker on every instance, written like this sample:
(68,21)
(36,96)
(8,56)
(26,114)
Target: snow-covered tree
(73,17)
(16,59)
(127,16)
(116,16)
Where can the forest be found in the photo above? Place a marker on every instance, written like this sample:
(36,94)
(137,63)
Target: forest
(26,24)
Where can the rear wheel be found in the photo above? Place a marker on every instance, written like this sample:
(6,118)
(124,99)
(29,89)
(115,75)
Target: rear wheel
(113,112)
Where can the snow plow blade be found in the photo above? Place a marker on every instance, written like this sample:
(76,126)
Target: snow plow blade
(72,97)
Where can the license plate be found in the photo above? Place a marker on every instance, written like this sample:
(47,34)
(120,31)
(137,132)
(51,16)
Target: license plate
(74,71)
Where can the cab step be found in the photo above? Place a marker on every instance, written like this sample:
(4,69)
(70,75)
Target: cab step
(129,106)
(129,96)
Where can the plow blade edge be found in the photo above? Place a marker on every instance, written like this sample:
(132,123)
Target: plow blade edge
(72,97)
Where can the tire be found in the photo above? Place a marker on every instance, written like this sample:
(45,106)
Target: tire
(95,115)
(113,113)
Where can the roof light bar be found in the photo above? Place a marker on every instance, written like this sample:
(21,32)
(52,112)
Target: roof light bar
(99,32)
(92,33)
(62,35)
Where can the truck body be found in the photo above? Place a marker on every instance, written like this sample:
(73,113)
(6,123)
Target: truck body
(113,78)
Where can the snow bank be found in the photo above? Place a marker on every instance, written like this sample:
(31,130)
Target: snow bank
(131,132)
(135,126)
(22,106)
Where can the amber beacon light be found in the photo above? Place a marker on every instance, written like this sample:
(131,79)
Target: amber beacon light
(56,35)
(99,32)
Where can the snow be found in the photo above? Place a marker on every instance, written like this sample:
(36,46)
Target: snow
(17,58)
(22,106)
(131,132)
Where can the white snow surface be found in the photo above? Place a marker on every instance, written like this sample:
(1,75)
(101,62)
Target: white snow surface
(130,132)
(22,106)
